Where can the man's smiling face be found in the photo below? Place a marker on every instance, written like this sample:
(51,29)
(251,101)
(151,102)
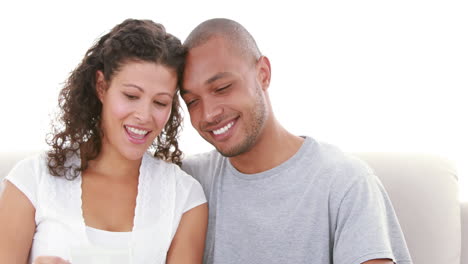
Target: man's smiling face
(224,97)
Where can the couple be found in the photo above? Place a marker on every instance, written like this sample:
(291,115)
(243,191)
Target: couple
(273,197)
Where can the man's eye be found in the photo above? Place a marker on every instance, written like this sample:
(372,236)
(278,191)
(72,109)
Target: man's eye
(222,89)
(191,102)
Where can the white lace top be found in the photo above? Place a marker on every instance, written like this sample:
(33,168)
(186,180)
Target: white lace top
(165,192)
(108,239)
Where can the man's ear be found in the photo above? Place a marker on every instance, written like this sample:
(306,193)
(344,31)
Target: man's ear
(264,72)
(101,85)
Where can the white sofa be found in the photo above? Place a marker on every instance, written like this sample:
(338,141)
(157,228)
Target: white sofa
(424,192)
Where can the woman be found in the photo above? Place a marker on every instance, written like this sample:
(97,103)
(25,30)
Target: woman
(97,195)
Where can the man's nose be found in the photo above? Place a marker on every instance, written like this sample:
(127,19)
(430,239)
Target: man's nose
(212,111)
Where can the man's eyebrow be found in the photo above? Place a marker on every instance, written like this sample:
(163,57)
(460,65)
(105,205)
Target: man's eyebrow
(142,90)
(217,77)
(210,80)
(183,91)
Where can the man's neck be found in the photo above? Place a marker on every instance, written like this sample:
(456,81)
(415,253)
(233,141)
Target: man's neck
(274,146)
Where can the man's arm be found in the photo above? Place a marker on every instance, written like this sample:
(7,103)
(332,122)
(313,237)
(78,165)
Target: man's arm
(366,227)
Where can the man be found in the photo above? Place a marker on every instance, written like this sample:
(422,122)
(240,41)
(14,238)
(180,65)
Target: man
(275,197)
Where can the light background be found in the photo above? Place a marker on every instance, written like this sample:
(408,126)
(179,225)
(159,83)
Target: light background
(363,75)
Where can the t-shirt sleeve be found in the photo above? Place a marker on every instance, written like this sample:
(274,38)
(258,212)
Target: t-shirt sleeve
(195,197)
(366,225)
(191,191)
(24,176)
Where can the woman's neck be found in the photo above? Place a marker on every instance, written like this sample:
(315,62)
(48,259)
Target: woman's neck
(112,164)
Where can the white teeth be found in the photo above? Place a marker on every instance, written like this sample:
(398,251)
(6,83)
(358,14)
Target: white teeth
(223,129)
(137,131)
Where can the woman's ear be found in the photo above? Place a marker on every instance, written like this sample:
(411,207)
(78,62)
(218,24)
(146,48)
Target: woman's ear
(101,85)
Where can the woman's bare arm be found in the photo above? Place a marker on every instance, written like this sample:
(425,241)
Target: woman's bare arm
(17,225)
(189,241)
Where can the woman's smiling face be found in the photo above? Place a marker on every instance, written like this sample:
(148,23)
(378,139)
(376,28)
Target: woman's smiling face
(136,105)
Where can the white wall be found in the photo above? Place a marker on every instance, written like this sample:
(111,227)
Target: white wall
(364,75)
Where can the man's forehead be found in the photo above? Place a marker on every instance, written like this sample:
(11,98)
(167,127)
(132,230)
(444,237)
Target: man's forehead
(207,63)
(214,40)
(213,47)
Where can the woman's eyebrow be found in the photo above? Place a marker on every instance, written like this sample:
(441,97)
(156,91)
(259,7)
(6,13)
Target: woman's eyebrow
(134,86)
(143,90)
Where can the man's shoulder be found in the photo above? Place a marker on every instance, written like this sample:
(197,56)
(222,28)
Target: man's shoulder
(340,165)
(200,156)
(202,165)
(339,173)
(201,159)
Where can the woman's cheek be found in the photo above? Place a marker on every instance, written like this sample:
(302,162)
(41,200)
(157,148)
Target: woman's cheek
(162,117)
(121,109)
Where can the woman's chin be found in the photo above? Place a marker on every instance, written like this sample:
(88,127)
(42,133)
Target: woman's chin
(134,154)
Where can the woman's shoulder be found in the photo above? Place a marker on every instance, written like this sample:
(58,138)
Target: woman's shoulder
(27,173)
(170,178)
(166,169)
(32,163)
(34,169)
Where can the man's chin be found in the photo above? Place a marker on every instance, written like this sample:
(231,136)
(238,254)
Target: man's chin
(233,151)
(228,154)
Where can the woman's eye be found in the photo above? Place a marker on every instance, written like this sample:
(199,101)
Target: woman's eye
(160,103)
(131,97)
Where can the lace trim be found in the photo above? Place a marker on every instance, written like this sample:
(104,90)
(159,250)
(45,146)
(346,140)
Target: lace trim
(154,212)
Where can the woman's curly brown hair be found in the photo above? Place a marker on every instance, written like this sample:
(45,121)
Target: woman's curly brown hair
(78,130)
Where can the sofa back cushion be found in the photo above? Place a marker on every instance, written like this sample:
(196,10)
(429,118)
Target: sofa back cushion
(424,193)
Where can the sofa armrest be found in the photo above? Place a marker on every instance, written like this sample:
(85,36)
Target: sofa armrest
(464,229)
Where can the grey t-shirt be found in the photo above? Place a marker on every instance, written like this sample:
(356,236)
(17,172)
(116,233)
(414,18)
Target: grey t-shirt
(321,206)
